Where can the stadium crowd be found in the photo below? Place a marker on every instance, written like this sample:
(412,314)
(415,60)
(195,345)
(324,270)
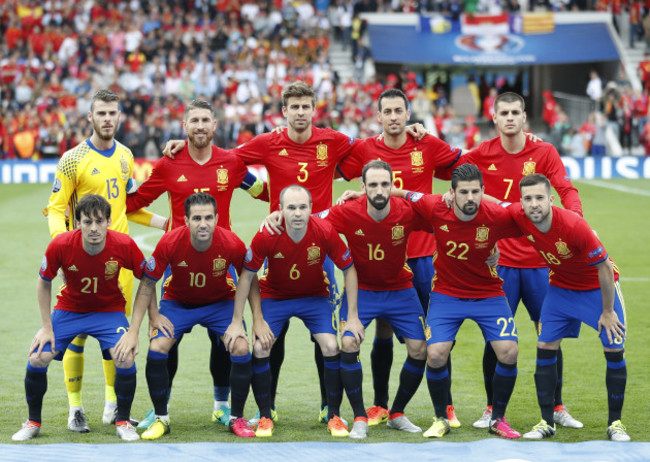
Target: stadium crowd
(237,54)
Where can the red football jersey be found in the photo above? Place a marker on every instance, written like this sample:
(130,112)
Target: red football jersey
(464,246)
(295,270)
(311,164)
(198,278)
(183,176)
(570,248)
(91,280)
(414,166)
(378,248)
(501,175)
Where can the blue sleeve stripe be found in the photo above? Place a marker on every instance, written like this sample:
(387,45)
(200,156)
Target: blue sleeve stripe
(43,277)
(250,269)
(460,152)
(343,269)
(150,276)
(338,169)
(599,261)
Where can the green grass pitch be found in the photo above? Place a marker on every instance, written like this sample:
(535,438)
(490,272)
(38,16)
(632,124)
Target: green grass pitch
(621,219)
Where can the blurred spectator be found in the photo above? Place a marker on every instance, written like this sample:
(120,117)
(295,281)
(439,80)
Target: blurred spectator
(595,89)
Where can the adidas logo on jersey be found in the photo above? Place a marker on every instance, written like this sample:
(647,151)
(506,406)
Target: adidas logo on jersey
(278,255)
(492,167)
(444,228)
(359,232)
(182,263)
(94,172)
(283,153)
(182,178)
(72,268)
(531,238)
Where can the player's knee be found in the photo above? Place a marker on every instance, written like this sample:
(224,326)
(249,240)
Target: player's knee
(161,344)
(259,351)
(42,360)
(128,362)
(508,353)
(349,344)
(383,329)
(240,348)
(437,355)
(417,349)
(329,346)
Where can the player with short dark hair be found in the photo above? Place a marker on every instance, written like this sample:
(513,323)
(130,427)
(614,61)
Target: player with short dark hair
(465,287)
(98,165)
(504,161)
(199,291)
(91,302)
(377,228)
(199,166)
(295,285)
(583,288)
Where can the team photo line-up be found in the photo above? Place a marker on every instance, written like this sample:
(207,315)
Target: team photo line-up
(396,232)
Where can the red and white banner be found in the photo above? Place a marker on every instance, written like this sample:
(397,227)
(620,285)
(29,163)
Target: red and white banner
(484,24)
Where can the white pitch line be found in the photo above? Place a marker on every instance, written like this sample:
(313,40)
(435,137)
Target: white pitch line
(616,187)
(624,279)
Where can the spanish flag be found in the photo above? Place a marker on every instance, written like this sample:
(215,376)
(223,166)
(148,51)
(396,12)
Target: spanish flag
(538,23)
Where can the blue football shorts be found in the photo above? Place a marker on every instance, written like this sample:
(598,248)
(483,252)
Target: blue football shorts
(446,315)
(565,310)
(400,308)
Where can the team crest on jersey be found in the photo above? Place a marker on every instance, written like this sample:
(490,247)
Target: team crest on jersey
(218,264)
(321,152)
(529,168)
(562,249)
(313,254)
(398,232)
(482,233)
(111,268)
(125,168)
(44,263)
(222,175)
(416,158)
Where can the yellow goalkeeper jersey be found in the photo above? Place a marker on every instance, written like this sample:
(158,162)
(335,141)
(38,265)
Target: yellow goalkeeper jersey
(87,170)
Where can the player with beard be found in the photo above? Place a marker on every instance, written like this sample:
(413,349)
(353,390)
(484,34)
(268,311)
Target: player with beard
(583,288)
(465,287)
(199,166)
(504,161)
(98,165)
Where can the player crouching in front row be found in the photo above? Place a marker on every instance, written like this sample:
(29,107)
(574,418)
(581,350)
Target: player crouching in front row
(90,302)
(199,291)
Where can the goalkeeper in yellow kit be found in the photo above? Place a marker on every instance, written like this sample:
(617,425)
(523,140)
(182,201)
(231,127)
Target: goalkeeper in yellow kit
(98,165)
